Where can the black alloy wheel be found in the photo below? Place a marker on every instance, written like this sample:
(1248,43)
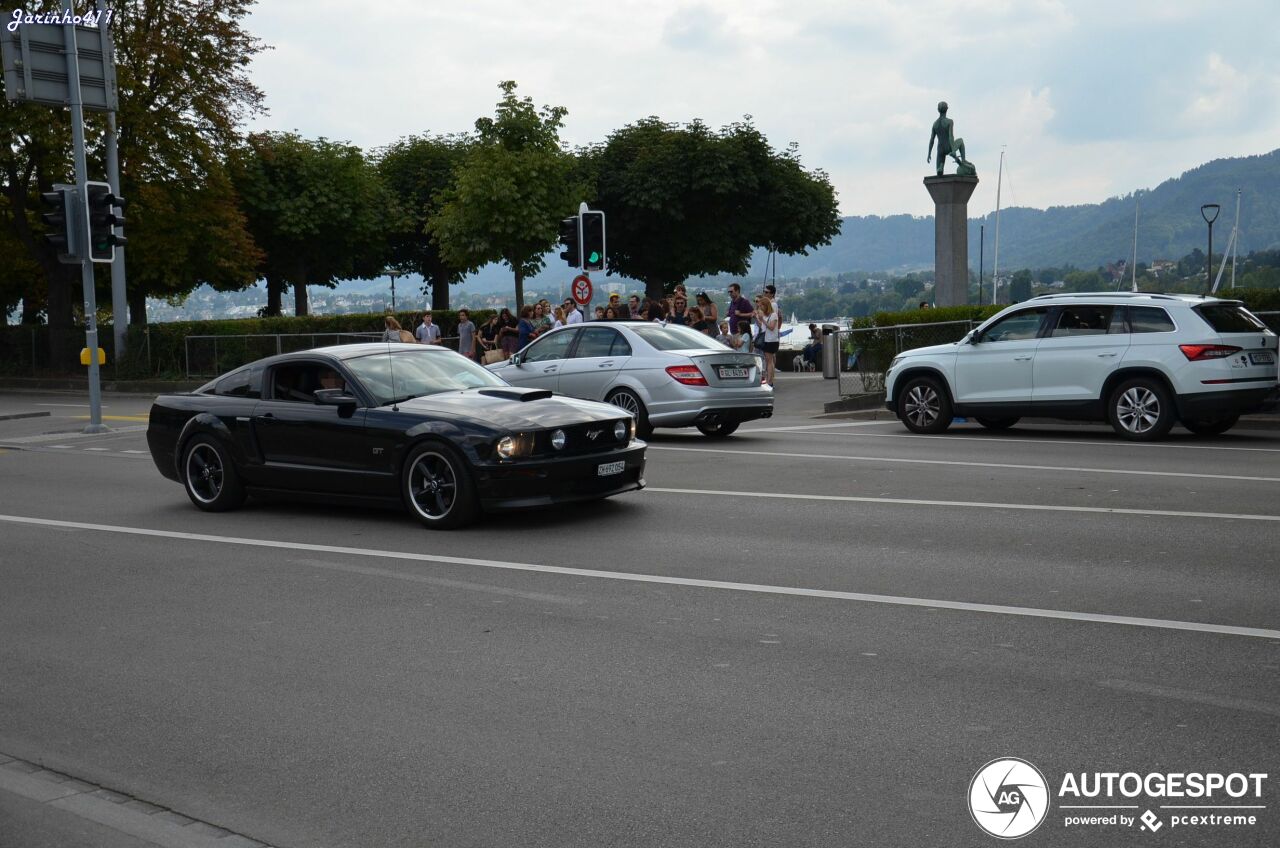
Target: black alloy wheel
(923,406)
(997,423)
(210,477)
(718,431)
(1141,410)
(438,488)
(626,400)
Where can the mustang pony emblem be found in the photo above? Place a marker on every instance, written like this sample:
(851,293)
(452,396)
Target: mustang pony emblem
(594,434)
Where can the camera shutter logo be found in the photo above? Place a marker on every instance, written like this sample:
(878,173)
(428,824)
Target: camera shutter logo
(1008,798)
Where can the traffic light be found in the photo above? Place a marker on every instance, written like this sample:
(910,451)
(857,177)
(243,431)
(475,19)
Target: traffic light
(62,218)
(571,238)
(592,241)
(103,218)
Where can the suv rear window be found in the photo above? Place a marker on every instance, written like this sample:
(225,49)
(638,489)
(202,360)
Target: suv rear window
(1149,319)
(1229,318)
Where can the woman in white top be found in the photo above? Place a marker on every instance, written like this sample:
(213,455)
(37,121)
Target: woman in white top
(559,318)
(768,317)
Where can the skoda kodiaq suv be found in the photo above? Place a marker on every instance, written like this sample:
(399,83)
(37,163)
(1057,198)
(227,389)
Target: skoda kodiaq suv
(1139,361)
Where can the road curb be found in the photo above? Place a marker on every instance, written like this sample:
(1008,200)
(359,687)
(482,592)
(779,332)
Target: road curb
(155,824)
(13,416)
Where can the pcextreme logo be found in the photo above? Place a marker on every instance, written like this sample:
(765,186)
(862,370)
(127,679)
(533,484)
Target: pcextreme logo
(1008,798)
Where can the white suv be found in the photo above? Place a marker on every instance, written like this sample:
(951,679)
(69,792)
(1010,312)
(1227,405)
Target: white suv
(1139,361)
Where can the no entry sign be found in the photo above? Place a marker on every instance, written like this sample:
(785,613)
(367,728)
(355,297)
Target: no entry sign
(582,289)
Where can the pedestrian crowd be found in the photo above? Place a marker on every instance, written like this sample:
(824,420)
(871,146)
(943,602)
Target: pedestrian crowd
(748,325)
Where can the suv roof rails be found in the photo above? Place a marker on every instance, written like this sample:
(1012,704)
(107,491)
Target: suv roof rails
(1158,295)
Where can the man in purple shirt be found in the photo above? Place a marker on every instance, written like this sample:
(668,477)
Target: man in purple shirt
(739,309)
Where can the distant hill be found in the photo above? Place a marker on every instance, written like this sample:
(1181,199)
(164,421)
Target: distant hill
(1169,227)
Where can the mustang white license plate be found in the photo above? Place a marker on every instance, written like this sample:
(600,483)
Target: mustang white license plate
(1262,358)
(605,469)
(728,372)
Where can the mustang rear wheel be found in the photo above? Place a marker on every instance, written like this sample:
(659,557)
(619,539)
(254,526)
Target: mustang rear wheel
(438,488)
(209,476)
(924,406)
(626,399)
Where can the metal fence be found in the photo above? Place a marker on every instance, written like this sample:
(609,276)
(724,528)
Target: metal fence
(210,356)
(25,349)
(865,352)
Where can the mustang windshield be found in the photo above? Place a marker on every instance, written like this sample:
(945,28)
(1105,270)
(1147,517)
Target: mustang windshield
(418,373)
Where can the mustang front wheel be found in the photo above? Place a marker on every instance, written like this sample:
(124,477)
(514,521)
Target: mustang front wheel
(437,487)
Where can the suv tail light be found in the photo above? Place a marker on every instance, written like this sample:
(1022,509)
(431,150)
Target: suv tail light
(1201,352)
(689,375)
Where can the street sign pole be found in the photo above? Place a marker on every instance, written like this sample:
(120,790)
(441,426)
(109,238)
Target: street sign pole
(86,268)
(119,300)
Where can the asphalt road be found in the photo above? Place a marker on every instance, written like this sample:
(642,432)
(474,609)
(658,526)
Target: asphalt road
(812,633)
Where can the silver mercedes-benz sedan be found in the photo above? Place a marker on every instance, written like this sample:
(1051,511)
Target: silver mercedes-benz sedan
(664,375)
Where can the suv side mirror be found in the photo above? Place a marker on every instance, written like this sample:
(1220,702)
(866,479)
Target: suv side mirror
(515,360)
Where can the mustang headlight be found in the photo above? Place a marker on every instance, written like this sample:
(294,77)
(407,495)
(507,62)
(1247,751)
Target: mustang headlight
(621,431)
(557,440)
(510,447)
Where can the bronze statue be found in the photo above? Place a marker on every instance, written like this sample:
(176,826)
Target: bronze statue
(944,132)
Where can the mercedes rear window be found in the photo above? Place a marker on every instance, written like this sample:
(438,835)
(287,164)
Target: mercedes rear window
(1229,318)
(676,337)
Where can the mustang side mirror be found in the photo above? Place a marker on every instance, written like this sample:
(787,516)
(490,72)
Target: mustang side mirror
(335,397)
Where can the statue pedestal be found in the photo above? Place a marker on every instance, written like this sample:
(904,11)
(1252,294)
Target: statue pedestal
(951,195)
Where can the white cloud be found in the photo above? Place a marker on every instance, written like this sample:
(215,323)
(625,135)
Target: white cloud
(1090,98)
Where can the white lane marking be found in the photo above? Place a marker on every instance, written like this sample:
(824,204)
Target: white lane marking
(1000,440)
(758,588)
(132,451)
(751,452)
(97,449)
(974,504)
(812,426)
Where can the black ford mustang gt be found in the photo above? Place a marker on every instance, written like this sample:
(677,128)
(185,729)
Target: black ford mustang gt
(417,424)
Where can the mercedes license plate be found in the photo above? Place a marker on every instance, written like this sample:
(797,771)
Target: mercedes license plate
(730,372)
(1264,358)
(606,469)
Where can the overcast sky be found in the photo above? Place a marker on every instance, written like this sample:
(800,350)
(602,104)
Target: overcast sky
(1089,99)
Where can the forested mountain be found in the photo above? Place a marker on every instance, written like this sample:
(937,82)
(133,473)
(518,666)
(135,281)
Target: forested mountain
(1169,226)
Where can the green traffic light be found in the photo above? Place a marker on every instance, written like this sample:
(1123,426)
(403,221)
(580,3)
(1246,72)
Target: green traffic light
(593,258)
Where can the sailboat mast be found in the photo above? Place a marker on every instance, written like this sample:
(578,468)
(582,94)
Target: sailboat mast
(995,270)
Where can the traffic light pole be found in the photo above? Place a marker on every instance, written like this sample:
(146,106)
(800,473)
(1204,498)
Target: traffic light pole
(119,301)
(86,267)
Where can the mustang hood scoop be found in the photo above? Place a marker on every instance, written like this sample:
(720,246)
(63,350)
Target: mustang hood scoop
(513,393)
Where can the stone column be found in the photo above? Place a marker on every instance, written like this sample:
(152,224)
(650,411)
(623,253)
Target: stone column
(951,195)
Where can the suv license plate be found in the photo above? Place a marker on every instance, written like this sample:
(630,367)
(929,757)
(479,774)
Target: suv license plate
(606,469)
(1266,358)
(725,372)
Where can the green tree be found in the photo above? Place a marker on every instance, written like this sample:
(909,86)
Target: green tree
(686,200)
(417,169)
(317,210)
(510,191)
(908,287)
(1020,286)
(184,88)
